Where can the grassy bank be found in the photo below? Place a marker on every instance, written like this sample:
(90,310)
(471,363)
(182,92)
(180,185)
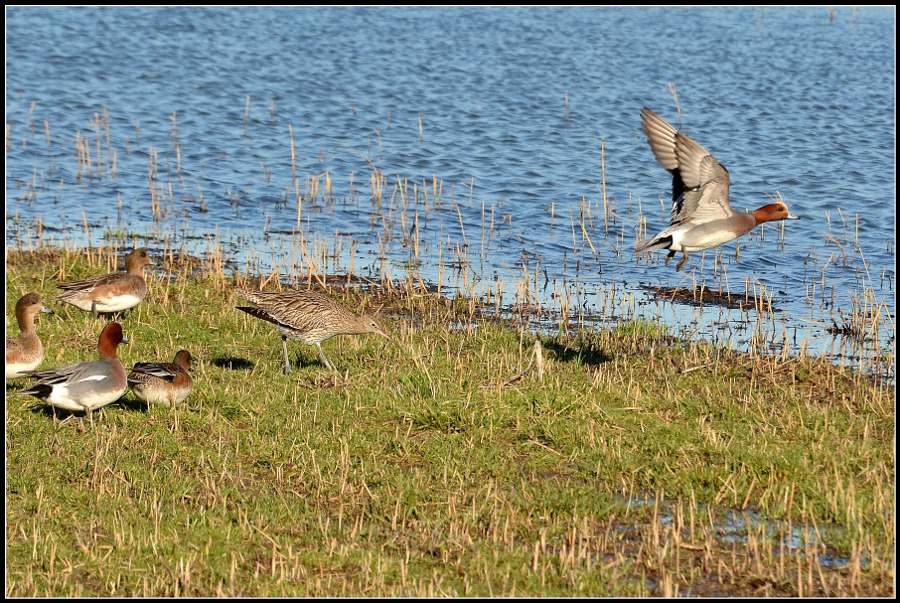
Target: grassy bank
(634,464)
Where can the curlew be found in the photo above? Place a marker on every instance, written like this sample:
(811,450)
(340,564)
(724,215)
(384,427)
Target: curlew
(309,316)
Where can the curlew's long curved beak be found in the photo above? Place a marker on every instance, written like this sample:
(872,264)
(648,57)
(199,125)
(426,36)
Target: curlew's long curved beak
(389,338)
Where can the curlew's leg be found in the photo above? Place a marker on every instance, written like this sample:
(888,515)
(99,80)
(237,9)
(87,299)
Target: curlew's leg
(94,309)
(324,359)
(287,362)
(669,257)
(681,263)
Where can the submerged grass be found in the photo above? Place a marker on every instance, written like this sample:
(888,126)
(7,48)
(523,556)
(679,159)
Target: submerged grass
(636,464)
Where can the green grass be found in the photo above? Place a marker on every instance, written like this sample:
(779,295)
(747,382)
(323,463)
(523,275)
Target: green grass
(418,473)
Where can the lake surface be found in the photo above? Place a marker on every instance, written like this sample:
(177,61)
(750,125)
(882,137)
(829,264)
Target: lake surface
(471,148)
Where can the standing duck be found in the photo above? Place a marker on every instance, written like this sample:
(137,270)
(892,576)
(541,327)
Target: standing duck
(110,292)
(26,352)
(85,386)
(166,383)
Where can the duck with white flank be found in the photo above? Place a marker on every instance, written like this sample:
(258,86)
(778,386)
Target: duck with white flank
(701,215)
(85,386)
(110,292)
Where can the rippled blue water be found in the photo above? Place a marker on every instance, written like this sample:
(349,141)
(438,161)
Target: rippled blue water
(507,109)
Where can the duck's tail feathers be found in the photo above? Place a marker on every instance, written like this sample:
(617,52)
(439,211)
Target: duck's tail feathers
(660,241)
